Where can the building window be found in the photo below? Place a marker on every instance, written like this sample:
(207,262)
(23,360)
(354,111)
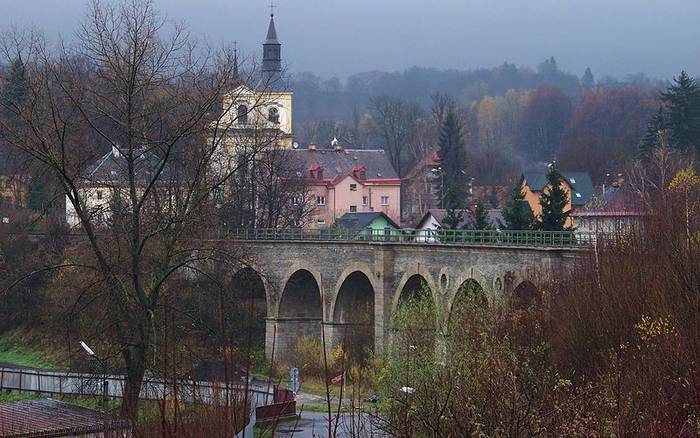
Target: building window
(578,195)
(321,200)
(273,115)
(242,114)
(297,200)
(365,200)
(321,222)
(385,200)
(353,208)
(353,187)
(99,195)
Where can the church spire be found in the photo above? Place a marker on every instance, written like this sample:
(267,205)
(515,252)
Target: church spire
(272,52)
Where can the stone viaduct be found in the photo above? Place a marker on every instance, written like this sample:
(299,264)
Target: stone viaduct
(339,286)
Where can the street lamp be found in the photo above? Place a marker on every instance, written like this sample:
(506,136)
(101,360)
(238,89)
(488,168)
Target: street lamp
(105,382)
(438,171)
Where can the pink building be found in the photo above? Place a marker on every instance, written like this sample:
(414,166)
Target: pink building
(348,180)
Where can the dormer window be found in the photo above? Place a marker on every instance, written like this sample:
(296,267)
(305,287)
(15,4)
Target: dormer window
(242,114)
(273,115)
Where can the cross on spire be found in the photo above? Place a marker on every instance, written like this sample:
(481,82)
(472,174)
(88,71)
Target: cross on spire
(272,8)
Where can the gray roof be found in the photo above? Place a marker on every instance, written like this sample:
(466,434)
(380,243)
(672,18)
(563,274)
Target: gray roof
(113,167)
(271,32)
(362,220)
(338,164)
(580,182)
(53,418)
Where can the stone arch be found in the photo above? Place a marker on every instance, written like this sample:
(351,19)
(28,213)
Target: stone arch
(353,267)
(353,315)
(473,275)
(249,293)
(299,315)
(301,296)
(524,294)
(299,266)
(250,285)
(412,275)
(473,291)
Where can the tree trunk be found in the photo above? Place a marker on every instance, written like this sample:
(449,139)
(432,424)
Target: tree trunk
(135,361)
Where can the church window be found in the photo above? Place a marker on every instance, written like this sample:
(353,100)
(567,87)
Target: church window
(273,115)
(242,114)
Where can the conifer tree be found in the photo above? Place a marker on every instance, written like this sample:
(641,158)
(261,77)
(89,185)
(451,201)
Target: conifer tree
(454,214)
(554,202)
(14,90)
(452,162)
(682,101)
(481,218)
(517,213)
(588,81)
(656,126)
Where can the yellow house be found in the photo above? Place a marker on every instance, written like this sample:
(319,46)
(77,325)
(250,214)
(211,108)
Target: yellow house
(577,185)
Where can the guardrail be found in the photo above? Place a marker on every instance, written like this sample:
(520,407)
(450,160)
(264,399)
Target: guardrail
(566,239)
(110,385)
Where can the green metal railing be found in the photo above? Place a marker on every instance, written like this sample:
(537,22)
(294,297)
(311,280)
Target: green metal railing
(569,239)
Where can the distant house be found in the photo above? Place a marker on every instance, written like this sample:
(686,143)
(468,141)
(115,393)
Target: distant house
(433,220)
(374,223)
(349,181)
(106,180)
(617,210)
(577,185)
(53,418)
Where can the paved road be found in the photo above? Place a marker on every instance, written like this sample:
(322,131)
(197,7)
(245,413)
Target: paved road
(315,425)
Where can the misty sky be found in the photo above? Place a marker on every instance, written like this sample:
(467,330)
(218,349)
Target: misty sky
(339,38)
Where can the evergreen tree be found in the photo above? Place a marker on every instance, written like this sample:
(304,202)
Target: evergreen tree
(454,214)
(588,81)
(481,218)
(554,201)
(452,156)
(14,90)
(656,126)
(517,212)
(682,101)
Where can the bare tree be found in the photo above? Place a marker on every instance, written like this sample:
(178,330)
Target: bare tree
(154,97)
(396,120)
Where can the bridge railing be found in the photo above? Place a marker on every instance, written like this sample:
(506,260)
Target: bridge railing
(406,235)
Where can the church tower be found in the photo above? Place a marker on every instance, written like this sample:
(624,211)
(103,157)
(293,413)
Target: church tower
(272,54)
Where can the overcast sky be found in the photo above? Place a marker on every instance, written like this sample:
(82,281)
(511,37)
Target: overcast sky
(339,38)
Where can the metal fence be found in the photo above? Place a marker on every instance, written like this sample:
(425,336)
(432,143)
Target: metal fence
(568,239)
(81,384)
